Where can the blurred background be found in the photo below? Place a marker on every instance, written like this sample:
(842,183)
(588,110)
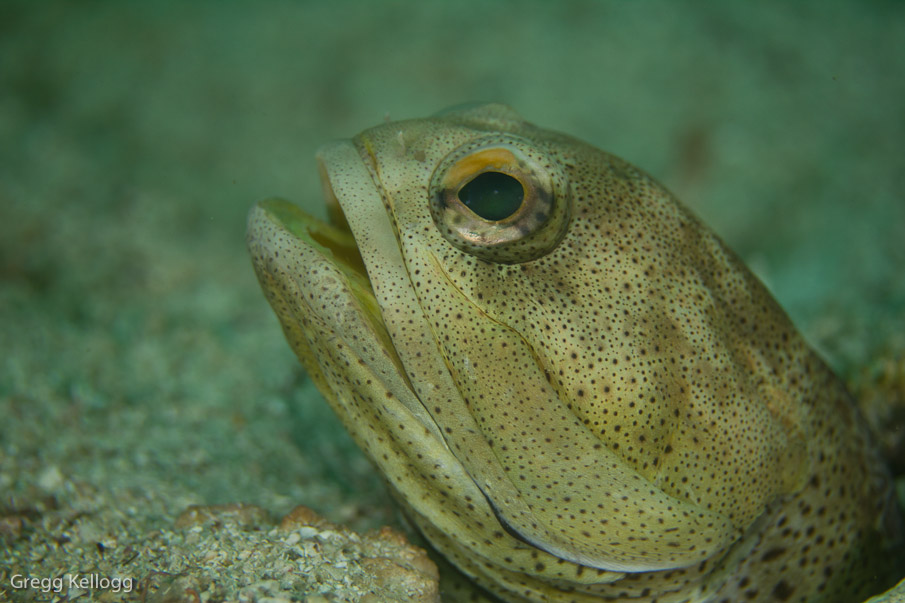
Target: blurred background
(141,366)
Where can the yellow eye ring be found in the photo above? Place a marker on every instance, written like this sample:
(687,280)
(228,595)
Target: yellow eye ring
(501,199)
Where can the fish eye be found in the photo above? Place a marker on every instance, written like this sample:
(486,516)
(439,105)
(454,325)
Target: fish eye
(493,196)
(500,198)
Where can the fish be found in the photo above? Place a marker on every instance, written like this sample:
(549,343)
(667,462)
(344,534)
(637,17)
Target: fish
(575,390)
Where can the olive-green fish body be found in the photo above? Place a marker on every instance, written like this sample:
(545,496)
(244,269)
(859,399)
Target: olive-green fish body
(573,387)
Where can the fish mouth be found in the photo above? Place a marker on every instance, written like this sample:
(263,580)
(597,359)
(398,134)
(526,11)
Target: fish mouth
(332,239)
(300,259)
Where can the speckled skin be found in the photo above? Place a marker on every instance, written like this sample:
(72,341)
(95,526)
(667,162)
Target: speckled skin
(612,409)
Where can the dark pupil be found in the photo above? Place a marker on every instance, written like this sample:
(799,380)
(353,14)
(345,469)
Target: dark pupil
(493,195)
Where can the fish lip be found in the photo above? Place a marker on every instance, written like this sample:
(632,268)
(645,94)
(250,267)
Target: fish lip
(368,157)
(356,203)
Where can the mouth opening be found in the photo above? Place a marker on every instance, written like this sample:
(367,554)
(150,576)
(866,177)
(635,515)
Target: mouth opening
(336,235)
(332,238)
(334,241)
